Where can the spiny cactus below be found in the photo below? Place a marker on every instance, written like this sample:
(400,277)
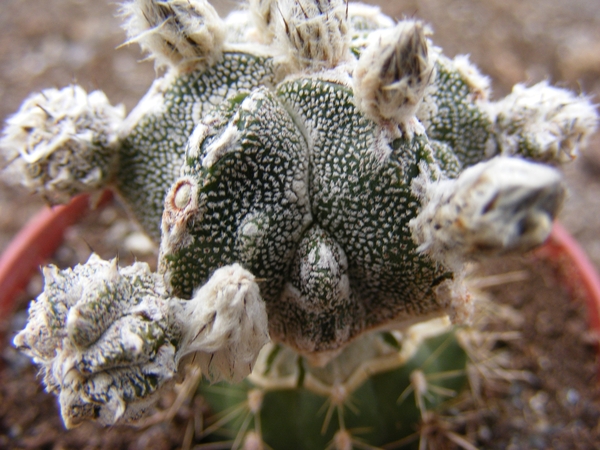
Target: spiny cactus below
(314,174)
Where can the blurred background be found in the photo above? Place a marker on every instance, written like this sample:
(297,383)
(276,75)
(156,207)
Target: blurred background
(51,43)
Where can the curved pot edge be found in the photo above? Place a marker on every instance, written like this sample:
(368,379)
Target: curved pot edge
(35,243)
(578,273)
(583,271)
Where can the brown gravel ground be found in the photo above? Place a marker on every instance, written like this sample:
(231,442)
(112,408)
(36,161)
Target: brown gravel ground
(49,43)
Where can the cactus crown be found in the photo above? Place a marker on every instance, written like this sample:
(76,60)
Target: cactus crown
(312,172)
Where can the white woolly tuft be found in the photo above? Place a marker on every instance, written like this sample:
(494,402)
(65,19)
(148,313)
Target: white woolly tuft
(544,122)
(226,324)
(240,27)
(264,15)
(61,142)
(393,73)
(100,334)
(176,33)
(498,206)
(315,33)
(368,17)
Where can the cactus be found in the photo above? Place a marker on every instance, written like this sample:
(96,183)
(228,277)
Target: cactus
(315,175)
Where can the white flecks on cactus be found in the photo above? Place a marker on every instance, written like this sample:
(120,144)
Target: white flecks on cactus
(225,324)
(112,337)
(46,327)
(454,110)
(152,151)
(115,396)
(62,142)
(494,207)
(479,85)
(43,333)
(393,73)
(315,32)
(176,33)
(320,287)
(543,122)
(97,307)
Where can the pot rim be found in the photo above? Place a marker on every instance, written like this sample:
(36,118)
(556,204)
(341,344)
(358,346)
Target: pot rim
(36,242)
(578,273)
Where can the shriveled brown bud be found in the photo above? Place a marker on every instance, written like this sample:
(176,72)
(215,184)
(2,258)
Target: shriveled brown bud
(393,72)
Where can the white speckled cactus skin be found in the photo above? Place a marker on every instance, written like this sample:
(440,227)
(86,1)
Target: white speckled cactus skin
(313,172)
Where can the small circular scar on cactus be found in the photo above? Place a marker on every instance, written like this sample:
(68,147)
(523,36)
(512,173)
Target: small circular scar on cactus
(108,339)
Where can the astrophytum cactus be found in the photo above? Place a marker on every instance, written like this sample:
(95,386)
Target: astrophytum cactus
(315,174)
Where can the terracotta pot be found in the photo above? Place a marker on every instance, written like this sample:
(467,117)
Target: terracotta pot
(577,273)
(35,244)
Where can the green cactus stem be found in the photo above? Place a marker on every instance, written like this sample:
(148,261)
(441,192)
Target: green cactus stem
(286,402)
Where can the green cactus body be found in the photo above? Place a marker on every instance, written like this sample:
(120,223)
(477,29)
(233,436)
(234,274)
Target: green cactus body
(361,197)
(314,174)
(267,173)
(366,198)
(316,404)
(453,113)
(152,152)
